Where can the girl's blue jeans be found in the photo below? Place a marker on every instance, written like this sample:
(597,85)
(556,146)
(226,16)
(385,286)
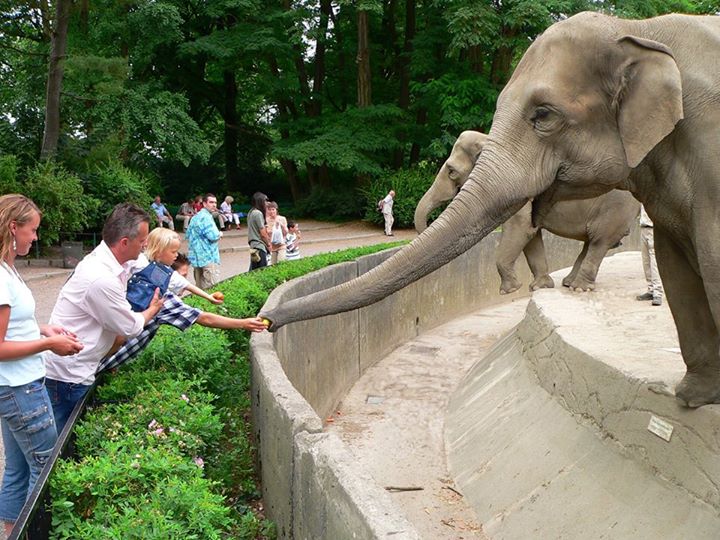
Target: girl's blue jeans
(29,435)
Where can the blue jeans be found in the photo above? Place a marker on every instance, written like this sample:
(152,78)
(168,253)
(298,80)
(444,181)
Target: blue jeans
(29,435)
(64,396)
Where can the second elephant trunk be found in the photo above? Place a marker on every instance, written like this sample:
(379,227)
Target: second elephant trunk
(427,204)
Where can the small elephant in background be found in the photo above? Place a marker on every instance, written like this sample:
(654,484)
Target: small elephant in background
(600,223)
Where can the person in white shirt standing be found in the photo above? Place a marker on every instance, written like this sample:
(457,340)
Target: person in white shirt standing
(386,207)
(92,304)
(647,249)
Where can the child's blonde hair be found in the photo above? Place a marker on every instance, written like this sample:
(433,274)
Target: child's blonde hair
(159,240)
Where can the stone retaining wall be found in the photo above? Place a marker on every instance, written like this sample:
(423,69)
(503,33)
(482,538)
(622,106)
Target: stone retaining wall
(311,486)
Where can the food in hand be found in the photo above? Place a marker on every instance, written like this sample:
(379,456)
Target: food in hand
(217,295)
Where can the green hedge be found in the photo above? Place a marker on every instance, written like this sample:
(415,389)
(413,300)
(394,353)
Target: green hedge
(166,453)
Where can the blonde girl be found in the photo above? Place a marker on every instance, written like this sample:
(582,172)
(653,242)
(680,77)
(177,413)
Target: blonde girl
(163,246)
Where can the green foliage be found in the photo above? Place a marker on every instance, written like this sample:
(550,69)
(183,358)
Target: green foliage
(57,192)
(113,183)
(341,205)
(148,493)
(347,141)
(9,175)
(172,413)
(409,185)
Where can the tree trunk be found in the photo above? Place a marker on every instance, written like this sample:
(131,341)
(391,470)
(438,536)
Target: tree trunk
(421,118)
(502,60)
(404,69)
(286,110)
(232,177)
(364,76)
(58,46)
(292,176)
(364,85)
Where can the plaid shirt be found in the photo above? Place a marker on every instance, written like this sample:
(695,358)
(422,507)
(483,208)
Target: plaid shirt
(174,312)
(202,236)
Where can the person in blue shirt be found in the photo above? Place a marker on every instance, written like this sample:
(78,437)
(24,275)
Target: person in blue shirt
(163,216)
(203,251)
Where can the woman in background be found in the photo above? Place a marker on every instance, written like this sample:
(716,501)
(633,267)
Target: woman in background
(28,426)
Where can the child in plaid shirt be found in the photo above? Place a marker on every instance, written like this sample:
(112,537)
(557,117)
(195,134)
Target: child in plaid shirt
(163,246)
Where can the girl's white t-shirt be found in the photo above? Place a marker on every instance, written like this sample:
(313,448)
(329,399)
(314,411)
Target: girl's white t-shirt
(22,326)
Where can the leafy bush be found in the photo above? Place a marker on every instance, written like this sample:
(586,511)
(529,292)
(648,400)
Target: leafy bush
(148,493)
(323,204)
(57,192)
(409,185)
(113,183)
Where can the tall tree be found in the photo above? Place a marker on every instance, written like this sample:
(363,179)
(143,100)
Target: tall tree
(58,46)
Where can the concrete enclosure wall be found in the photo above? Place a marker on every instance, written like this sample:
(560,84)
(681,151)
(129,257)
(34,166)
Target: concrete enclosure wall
(310,485)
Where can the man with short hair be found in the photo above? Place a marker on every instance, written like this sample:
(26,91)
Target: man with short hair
(93,305)
(163,216)
(203,251)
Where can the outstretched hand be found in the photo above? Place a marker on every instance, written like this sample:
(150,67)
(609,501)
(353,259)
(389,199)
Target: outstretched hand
(254,324)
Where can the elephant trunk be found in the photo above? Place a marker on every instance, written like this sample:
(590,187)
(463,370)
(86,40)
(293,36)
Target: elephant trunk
(427,204)
(477,210)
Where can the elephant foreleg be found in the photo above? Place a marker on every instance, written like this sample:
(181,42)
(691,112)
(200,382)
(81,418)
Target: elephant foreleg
(576,267)
(697,328)
(535,255)
(517,232)
(585,270)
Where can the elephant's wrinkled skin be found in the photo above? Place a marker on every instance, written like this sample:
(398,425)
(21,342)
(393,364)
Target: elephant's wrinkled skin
(595,103)
(600,223)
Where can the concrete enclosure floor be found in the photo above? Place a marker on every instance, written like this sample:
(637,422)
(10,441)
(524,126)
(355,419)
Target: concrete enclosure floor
(395,418)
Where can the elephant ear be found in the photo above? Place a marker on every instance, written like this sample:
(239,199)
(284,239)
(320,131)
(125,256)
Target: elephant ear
(478,141)
(649,98)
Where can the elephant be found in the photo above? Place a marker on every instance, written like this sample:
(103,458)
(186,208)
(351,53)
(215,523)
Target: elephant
(595,103)
(600,223)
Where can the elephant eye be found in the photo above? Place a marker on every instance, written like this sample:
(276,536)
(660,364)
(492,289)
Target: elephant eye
(542,119)
(452,173)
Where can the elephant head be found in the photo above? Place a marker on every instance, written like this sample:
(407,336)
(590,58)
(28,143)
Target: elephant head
(587,103)
(452,175)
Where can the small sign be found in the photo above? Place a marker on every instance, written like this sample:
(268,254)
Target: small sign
(660,427)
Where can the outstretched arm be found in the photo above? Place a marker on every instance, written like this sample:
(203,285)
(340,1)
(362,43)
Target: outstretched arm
(213,320)
(199,292)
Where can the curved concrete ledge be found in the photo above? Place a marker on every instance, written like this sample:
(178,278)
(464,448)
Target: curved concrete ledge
(549,432)
(311,487)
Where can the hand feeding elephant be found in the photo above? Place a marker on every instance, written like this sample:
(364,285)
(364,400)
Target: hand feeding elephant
(595,103)
(600,223)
